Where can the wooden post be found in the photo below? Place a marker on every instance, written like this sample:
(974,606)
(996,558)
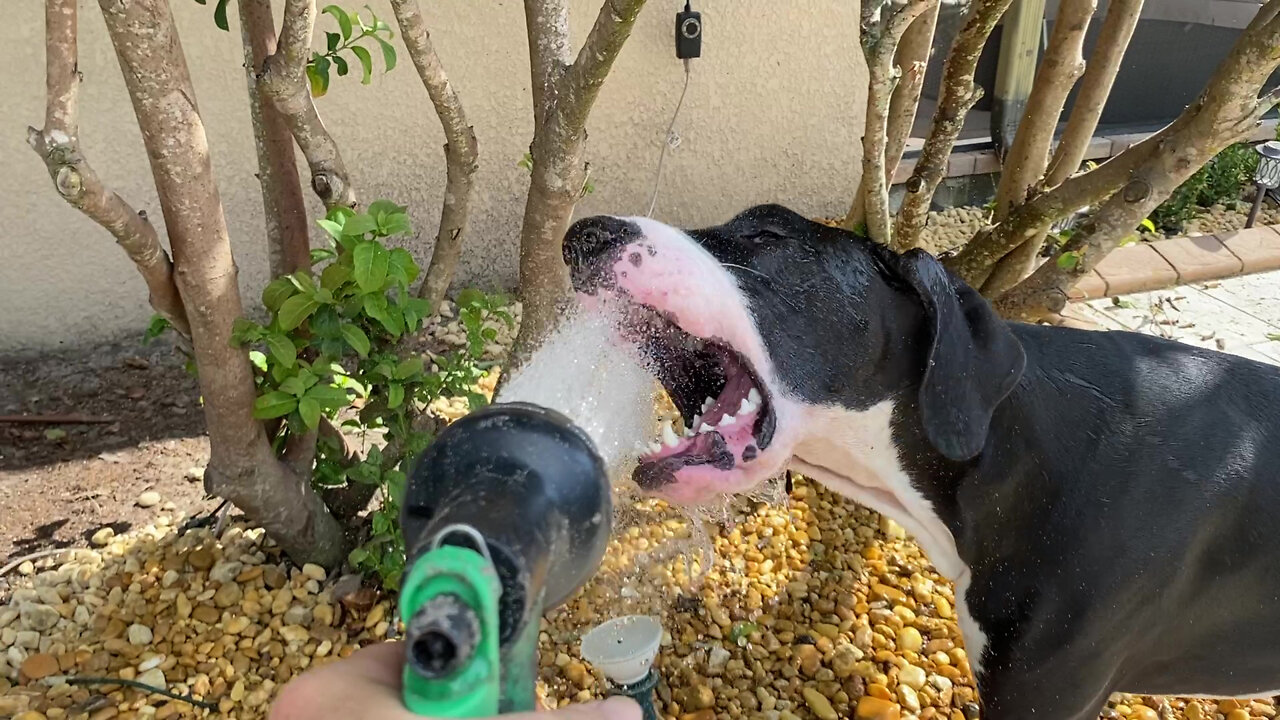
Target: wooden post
(1020,41)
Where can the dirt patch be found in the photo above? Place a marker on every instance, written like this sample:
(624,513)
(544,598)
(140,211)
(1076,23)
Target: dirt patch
(61,482)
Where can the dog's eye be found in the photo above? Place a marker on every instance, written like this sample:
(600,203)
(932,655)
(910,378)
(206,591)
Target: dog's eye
(763,235)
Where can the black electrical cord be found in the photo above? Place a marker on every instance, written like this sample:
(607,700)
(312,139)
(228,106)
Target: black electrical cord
(80,680)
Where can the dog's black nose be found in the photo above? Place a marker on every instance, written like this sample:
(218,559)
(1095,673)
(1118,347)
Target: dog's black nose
(591,237)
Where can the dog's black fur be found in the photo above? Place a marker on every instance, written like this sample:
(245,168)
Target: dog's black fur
(1111,493)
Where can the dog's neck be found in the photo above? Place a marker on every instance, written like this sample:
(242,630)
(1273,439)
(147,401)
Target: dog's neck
(854,453)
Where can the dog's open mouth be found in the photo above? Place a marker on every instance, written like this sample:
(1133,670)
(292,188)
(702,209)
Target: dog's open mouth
(728,418)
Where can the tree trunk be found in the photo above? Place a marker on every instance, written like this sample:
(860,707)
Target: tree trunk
(1028,157)
(460,151)
(563,94)
(1226,111)
(913,58)
(957,97)
(58,144)
(242,467)
(288,240)
(880,49)
(283,81)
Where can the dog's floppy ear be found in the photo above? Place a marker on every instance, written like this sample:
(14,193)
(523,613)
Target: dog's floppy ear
(973,360)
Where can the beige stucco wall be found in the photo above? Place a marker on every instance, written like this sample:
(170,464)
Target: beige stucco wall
(770,116)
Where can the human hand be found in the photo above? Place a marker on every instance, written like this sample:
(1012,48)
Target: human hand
(367,686)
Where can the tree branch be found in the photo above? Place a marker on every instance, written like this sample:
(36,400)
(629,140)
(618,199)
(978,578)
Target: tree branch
(584,78)
(913,57)
(284,209)
(547,25)
(973,263)
(284,82)
(1028,157)
(1095,87)
(958,95)
(460,150)
(1062,65)
(58,144)
(880,50)
(1226,111)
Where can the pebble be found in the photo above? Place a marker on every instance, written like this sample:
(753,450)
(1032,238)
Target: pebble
(872,708)
(910,640)
(913,677)
(40,665)
(225,571)
(819,704)
(38,617)
(103,536)
(1142,712)
(908,698)
(148,499)
(139,634)
(315,572)
(153,677)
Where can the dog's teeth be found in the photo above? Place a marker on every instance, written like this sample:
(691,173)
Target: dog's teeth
(696,421)
(754,396)
(705,428)
(669,435)
(727,420)
(706,404)
(746,407)
(655,448)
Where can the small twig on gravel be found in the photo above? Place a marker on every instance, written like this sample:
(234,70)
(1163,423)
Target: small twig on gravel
(70,680)
(34,556)
(57,419)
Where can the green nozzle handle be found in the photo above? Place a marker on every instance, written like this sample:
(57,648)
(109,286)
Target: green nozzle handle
(450,604)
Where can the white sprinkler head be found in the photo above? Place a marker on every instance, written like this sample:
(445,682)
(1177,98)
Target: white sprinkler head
(623,648)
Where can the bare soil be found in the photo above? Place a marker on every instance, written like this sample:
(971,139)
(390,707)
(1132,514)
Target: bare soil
(60,482)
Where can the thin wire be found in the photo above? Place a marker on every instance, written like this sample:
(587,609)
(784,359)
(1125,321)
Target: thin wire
(80,680)
(666,142)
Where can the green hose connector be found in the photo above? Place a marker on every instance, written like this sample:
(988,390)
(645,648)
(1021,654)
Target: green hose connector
(449,600)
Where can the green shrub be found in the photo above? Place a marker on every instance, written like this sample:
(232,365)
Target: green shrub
(334,338)
(1218,182)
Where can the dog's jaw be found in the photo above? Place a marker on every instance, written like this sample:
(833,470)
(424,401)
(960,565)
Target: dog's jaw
(667,270)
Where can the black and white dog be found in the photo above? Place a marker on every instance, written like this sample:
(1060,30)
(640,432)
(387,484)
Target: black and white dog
(1103,501)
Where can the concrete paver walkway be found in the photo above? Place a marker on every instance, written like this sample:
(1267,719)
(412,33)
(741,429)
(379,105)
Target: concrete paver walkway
(1239,315)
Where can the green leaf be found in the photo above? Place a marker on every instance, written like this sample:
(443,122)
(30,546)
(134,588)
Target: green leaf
(332,41)
(341,63)
(324,323)
(475,400)
(395,485)
(329,396)
(282,349)
(244,331)
(408,368)
(356,338)
(310,411)
(366,62)
(55,434)
(318,75)
(400,265)
(371,261)
(277,291)
(741,630)
(1273,336)
(258,359)
(415,309)
(383,207)
(334,275)
(334,229)
(220,14)
(470,297)
(273,405)
(489,334)
(293,386)
(395,395)
(1148,225)
(344,20)
(1069,260)
(155,329)
(395,224)
(303,281)
(295,310)
(388,53)
(359,225)
(358,556)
